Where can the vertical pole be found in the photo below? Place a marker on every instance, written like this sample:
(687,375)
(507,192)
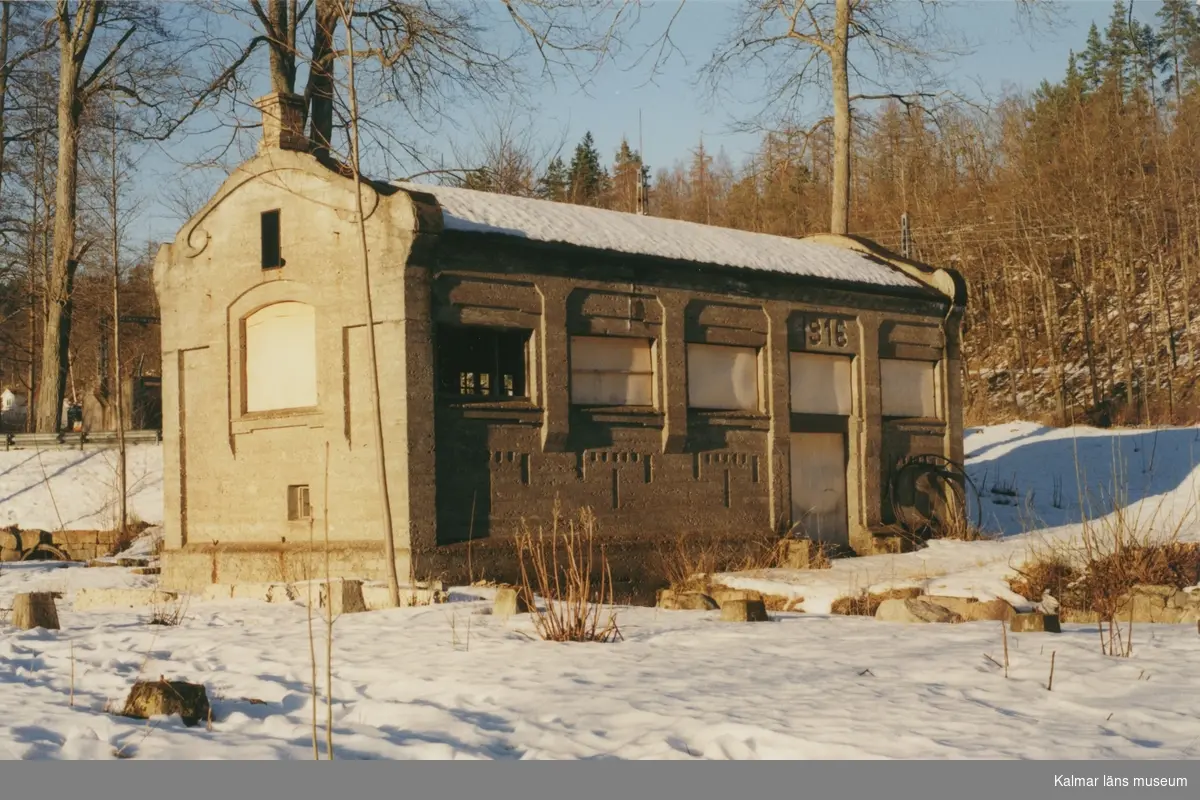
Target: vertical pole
(115,232)
(385,505)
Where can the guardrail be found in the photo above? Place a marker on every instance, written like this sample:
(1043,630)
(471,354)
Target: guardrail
(75,441)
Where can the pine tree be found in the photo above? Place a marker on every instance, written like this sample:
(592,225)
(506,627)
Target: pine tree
(1095,59)
(588,180)
(554,183)
(1180,32)
(1120,46)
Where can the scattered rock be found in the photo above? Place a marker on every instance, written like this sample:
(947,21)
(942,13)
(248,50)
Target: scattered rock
(743,611)
(509,601)
(915,609)
(167,698)
(1035,622)
(147,570)
(686,601)
(35,610)
(89,598)
(973,610)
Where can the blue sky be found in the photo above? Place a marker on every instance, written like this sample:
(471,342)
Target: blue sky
(675,108)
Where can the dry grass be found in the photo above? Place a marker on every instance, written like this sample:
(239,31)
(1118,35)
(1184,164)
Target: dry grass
(563,568)
(1114,554)
(170,613)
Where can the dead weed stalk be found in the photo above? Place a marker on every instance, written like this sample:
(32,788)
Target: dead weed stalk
(560,567)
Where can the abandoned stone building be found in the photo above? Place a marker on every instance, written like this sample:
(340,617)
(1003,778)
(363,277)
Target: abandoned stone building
(674,378)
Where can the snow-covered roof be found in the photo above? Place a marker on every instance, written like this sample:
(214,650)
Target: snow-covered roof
(583,226)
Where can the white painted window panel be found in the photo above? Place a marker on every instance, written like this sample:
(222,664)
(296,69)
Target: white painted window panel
(820,384)
(909,388)
(819,508)
(723,377)
(281,357)
(611,371)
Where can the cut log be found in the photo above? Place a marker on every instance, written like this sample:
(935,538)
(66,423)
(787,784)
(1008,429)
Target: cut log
(35,610)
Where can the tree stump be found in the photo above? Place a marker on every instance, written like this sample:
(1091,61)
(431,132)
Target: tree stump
(166,698)
(35,610)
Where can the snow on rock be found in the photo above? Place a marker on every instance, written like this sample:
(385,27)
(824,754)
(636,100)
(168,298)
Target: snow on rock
(77,489)
(542,220)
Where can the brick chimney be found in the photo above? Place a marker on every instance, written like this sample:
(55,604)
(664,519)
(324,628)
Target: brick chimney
(283,122)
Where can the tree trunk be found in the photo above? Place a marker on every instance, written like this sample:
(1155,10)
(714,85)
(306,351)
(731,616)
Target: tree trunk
(5,20)
(283,51)
(839,56)
(34,610)
(320,81)
(62,269)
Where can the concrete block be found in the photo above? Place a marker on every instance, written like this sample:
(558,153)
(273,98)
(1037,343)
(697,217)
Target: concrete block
(342,596)
(91,598)
(1035,622)
(744,611)
(376,596)
(686,601)
(273,592)
(973,610)
(915,610)
(217,591)
(722,595)
(797,553)
(509,601)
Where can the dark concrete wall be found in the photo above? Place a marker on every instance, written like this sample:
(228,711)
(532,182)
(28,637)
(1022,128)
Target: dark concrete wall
(665,471)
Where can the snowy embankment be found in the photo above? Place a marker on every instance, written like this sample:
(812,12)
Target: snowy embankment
(54,490)
(452,681)
(1035,484)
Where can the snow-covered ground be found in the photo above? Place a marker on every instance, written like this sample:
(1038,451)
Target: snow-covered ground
(451,681)
(77,489)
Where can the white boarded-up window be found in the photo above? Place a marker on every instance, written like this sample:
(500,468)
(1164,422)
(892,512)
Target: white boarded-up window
(722,377)
(909,388)
(819,486)
(820,384)
(611,371)
(281,357)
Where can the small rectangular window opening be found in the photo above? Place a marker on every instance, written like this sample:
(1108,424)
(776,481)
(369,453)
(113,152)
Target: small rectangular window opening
(298,505)
(482,363)
(272,258)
